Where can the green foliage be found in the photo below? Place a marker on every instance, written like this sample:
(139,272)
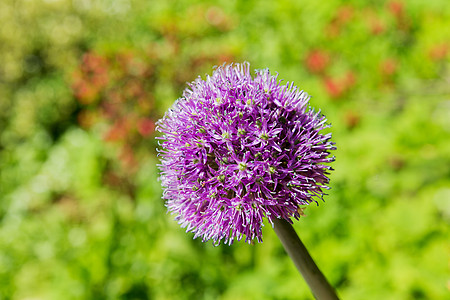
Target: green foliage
(82,83)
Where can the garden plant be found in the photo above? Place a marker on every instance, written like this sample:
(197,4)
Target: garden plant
(85,197)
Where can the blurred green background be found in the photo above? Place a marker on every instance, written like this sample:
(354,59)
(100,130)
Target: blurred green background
(82,83)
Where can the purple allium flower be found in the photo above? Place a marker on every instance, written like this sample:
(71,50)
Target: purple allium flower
(237,149)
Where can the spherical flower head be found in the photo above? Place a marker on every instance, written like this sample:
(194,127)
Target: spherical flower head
(237,149)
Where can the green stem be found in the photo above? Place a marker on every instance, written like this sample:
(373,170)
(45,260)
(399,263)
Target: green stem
(318,284)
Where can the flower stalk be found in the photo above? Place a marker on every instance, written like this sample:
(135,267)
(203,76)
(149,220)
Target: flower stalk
(316,281)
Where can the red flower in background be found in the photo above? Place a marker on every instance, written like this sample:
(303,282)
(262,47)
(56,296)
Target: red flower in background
(349,80)
(352,119)
(388,70)
(438,52)
(344,14)
(118,131)
(117,90)
(396,8)
(217,18)
(146,127)
(337,87)
(388,67)
(376,25)
(317,61)
(90,78)
(333,87)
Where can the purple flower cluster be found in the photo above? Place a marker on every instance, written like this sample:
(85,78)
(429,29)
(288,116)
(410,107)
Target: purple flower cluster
(237,149)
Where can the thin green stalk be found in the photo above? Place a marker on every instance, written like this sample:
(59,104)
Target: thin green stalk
(318,284)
